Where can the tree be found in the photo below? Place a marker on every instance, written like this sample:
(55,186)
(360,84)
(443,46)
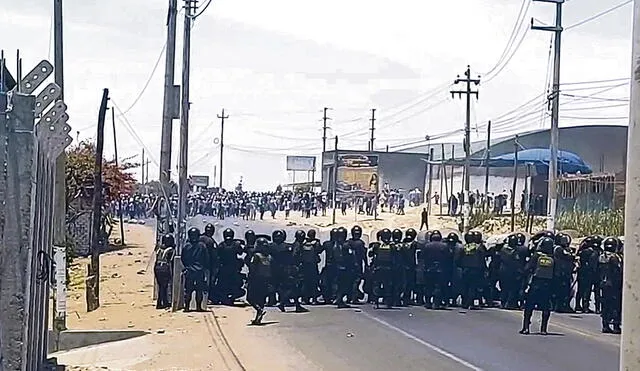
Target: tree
(79,174)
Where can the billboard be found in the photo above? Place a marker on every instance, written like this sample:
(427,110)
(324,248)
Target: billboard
(357,176)
(199,181)
(301,163)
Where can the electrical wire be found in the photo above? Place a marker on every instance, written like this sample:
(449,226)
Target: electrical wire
(601,14)
(146,84)
(513,53)
(595,81)
(524,8)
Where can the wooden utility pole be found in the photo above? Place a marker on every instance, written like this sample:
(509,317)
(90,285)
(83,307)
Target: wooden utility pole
(552,198)
(142,167)
(115,150)
(515,183)
(442,174)
(222,118)
(97,240)
(324,145)
(453,169)
(335,180)
(629,350)
(430,193)
(373,128)
(487,156)
(60,186)
(467,139)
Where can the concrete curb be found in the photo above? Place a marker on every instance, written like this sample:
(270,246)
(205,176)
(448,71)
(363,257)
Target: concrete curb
(72,339)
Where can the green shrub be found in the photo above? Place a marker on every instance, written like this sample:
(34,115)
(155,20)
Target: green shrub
(606,223)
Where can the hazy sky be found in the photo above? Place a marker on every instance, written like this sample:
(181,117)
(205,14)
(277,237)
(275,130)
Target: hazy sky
(273,65)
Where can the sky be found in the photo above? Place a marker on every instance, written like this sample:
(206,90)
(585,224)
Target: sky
(273,66)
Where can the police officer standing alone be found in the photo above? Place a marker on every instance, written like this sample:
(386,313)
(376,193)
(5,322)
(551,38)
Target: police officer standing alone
(611,285)
(194,259)
(539,291)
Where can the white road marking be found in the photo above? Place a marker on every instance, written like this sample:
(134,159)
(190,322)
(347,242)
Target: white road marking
(435,348)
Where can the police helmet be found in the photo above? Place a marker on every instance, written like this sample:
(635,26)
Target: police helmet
(563,239)
(452,237)
(521,238)
(300,235)
(436,236)
(228,234)
(356,232)
(333,235)
(311,234)
(342,234)
(379,235)
(546,245)
(385,235)
(193,234)
(539,235)
(477,236)
(168,240)
(512,240)
(411,234)
(209,230)
(610,244)
(262,243)
(250,236)
(597,240)
(396,235)
(468,237)
(278,236)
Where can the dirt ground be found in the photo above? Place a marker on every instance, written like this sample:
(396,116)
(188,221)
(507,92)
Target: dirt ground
(219,339)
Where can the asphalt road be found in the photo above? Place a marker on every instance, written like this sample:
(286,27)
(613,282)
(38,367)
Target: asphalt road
(415,338)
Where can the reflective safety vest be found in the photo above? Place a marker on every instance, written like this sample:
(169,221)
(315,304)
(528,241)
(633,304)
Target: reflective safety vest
(544,267)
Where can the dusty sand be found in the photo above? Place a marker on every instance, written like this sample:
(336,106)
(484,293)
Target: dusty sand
(177,341)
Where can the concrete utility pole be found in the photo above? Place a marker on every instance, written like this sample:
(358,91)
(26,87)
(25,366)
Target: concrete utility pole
(222,118)
(552,197)
(629,350)
(183,181)
(142,166)
(170,111)
(115,150)
(373,128)
(60,192)
(324,145)
(467,139)
(93,279)
(487,156)
(430,193)
(335,180)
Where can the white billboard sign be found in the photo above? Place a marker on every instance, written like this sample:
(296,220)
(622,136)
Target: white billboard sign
(301,163)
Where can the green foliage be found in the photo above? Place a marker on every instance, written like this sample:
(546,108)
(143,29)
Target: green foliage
(606,223)
(79,173)
(479,217)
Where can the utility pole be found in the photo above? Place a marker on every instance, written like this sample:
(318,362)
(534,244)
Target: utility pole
(170,111)
(467,139)
(430,193)
(183,181)
(629,350)
(487,156)
(552,197)
(373,128)
(324,145)
(335,180)
(515,183)
(222,118)
(60,186)
(93,279)
(142,166)
(115,150)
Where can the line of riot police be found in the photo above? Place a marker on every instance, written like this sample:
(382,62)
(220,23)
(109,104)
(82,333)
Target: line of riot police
(401,269)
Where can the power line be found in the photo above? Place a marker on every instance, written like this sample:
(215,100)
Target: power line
(513,53)
(146,84)
(601,14)
(524,8)
(596,81)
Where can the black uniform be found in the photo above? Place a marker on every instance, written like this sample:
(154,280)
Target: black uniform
(213,267)
(345,261)
(539,291)
(385,257)
(163,270)
(229,283)
(564,261)
(473,264)
(611,285)
(587,267)
(308,258)
(285,271)
(409,262)
(259,278)
(437,260)
(509,274)
(329,272)
(194,259)
(360,250)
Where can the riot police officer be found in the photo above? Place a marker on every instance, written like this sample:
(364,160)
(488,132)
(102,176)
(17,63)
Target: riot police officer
(259,278)
(539,290)
(346,265)
(384,257)
(194,259)
(213,266)
(357,245)
(163,270)
(229,278)
(611,285)
(564,266)
(472,262)
(308,258)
